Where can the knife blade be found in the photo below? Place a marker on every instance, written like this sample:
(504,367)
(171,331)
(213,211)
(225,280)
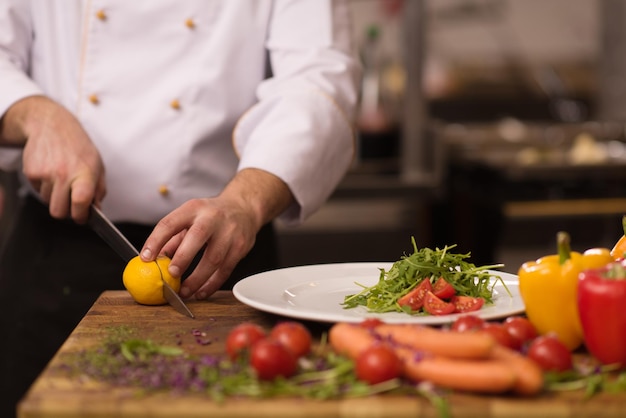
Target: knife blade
(99,222)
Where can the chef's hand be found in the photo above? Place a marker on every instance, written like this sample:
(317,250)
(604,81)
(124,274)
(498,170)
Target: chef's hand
(59,159)
(226,226)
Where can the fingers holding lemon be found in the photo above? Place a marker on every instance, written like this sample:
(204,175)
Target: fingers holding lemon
(143,280)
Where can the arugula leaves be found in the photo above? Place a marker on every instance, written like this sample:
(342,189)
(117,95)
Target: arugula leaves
(425,264)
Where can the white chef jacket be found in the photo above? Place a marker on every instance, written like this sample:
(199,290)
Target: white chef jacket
(175,94)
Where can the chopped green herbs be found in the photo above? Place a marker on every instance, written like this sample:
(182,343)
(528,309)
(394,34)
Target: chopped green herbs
(588,376)
(425,264)
(143,364)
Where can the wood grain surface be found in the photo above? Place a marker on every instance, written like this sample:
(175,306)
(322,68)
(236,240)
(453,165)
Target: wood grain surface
(55,395)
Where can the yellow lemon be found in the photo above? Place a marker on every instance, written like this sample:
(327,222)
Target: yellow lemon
(143,280)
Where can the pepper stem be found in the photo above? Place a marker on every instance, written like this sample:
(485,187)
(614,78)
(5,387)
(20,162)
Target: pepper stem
(563,246)
(616,271)
(624,224)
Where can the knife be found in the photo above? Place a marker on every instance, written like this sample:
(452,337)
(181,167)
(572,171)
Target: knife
(117,241)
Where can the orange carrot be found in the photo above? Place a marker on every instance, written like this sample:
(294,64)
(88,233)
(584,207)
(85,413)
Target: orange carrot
(529,375)
(462,345)
(493,368)
(350,339)
(480,376)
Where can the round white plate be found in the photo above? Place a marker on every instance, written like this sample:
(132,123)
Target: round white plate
(317,292)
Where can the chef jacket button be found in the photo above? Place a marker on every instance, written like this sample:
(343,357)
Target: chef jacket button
(163,190)
(94,99)
(190,23)
(101,14)
(175,104)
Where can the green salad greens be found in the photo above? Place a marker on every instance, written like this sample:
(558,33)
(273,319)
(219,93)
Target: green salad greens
(425,264)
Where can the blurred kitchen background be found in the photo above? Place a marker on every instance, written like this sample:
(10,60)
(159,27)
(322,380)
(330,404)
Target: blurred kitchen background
(490,124)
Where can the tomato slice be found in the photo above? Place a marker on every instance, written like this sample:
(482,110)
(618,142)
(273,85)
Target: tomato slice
(435,306)
(415,298)
(467,303)
(443,289)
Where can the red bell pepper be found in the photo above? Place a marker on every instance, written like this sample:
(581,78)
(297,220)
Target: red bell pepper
(602,311)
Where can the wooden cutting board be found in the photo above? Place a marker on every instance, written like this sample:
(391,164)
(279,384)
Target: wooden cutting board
(55,395)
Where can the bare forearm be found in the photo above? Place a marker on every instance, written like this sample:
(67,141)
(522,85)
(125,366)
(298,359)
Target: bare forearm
(267,195)
(23,118)
(18,119)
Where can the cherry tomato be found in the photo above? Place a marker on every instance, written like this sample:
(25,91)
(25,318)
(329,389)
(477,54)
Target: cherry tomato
(377,363)
(550,354)
(270,359)
(435,306)
(442,289)
(415,298)
(371,323)
(293,335)
(242,337)
(467,303)
(521,329)
(501,335)
(467,323)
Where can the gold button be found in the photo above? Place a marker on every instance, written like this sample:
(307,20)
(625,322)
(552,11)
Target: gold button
(100,14)
(163,190)
(190,23)
(94,99)
(175,104)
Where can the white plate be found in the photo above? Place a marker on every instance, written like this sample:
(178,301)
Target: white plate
(317,292)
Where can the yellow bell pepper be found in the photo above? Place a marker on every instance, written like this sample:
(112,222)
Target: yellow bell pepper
(548,287)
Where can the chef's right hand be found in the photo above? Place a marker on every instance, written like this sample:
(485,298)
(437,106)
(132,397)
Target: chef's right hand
(59,159)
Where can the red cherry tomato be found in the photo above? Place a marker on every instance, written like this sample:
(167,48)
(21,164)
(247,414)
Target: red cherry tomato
(467,323)
(377,363)
(242,337)
(442,289)
(270,359)
(467,303)
(521,329)
(550,354)
(501,335)
(293,335)
(415,298)
(435,306)
(371,323)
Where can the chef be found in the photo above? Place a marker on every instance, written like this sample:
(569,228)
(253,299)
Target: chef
(193,124)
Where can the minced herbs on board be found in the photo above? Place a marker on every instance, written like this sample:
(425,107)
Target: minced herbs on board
(123,360)
(425,264)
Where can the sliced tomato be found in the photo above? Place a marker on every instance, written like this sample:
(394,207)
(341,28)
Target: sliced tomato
(436,306)
(415,298)
(467,303)
(443,289)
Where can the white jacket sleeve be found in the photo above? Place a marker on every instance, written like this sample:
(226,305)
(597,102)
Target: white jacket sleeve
(15,84)
(305,109)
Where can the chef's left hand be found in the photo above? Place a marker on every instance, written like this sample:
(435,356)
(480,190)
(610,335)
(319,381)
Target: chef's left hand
(225,226)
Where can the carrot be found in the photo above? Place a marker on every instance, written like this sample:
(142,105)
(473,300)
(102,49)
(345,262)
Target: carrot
(462,345)
(350,339)
(484,375)
(529,379)
(480,376)
(486,367)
